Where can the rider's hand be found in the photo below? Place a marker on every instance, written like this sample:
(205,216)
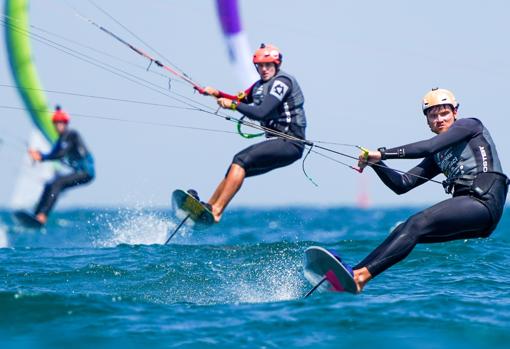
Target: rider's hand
(225,103)
(372,157)
(211,91)
(35,154)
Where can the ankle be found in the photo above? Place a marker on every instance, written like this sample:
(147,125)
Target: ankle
(217,213)
(41,217)
(361,278)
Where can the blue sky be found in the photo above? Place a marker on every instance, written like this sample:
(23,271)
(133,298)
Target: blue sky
(363,67)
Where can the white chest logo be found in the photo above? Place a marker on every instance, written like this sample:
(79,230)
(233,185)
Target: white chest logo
(279,89)
(485,164)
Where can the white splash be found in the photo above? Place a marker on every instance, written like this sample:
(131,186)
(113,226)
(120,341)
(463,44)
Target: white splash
(4,241)
(137,228)
(275,283)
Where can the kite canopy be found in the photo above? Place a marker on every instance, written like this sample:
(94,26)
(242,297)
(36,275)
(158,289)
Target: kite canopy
(17,33)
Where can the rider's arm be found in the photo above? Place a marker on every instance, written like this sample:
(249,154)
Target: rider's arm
(460,130)
(61,148)
(277,92)
(401,183)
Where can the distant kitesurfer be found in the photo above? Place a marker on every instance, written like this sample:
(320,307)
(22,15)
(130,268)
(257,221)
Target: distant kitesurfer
(276,101)
(71,151)
(465,153)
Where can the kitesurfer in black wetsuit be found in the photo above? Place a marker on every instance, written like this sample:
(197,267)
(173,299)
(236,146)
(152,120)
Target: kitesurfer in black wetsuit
(464,152)
(71,151)
(276,101)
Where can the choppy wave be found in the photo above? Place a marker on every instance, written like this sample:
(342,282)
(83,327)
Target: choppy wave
(104,278)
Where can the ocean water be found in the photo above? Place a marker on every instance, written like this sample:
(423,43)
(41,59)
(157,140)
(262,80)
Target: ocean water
(103,279)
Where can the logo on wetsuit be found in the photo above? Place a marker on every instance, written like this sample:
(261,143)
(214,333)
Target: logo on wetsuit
(485,166)
(279,89)
(448,163)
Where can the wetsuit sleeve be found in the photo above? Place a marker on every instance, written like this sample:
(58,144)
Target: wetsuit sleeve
(61,148)
(279,89)
(460,130)
(401,183)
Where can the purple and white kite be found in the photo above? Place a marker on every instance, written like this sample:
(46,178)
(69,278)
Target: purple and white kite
(239,51)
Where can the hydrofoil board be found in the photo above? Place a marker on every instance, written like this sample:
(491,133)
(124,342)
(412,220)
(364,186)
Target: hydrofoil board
(27,219)
(187,205)
(323,268)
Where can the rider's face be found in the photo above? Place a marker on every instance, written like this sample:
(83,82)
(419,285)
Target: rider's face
(441,118)
(60,127)
(266,70)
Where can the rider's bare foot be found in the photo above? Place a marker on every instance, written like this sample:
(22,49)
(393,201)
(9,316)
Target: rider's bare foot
(216,214)
(42,218)
(361,277)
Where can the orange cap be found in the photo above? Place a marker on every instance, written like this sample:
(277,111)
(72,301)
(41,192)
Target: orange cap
(60,116)
(267,54)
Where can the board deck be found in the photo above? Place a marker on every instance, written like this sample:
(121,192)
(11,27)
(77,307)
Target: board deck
(185,205)
(321,263)
(27,219)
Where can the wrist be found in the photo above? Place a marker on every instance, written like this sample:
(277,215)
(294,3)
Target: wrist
(233,105)
(382,150)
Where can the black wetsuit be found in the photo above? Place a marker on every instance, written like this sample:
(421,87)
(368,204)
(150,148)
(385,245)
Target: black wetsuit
(278,105)
(467,156)
(71,150)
